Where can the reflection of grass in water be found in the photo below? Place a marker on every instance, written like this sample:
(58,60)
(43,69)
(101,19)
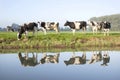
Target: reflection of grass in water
(57,50)
(62,40)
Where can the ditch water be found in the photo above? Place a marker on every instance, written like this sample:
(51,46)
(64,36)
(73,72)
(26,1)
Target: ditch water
(79,65)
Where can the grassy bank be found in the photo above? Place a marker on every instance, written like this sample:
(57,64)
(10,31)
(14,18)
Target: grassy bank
(8,40)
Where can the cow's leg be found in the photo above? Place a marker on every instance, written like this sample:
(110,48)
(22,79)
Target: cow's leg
(33,32)
(93,31)
(26,55)
(55,61)
(26,34)
(108,32)
(84,56)
(34,57)
(96,30)
(73,30)
(84,29)
(73,55)
(18,34)
(44,55)
(44,30)
(56,29)
(104,32)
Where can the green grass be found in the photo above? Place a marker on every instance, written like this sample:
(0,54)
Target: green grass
(8,40)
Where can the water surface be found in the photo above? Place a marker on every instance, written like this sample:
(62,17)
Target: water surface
(60,66)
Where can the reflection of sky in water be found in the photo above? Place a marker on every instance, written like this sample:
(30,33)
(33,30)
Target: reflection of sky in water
(11,68)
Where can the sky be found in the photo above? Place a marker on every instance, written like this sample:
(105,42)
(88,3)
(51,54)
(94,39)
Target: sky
(25,11)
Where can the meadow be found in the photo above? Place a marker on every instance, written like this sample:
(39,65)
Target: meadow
(8,40)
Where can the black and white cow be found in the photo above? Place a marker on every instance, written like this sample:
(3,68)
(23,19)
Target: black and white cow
(106,59)
(94,25)
(76,60)
(77,25)
(25,28)
(9,28)
(105,26)
(49,26)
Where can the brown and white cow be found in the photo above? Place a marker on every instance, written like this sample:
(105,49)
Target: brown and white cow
(50,58)
(49,26)
(77,25)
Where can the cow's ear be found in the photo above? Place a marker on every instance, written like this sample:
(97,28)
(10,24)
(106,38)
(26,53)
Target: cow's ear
(67,21)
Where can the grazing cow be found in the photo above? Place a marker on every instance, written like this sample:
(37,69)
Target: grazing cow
(49,58)
(49,26)
(105,26)
(106,59)
(27,27)
(76,60)
(95,58)
(77,25)
(94,25)
(28,61)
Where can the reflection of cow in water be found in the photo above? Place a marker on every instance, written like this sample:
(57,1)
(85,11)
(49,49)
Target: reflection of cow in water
(28,61)
(106,59)
(96,57)
(76,60)
(49,58)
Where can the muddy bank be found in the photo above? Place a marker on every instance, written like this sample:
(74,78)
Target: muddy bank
(73,43)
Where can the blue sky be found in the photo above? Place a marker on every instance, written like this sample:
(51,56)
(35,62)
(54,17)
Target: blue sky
(25,11)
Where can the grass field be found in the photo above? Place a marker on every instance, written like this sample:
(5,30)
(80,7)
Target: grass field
(8,40)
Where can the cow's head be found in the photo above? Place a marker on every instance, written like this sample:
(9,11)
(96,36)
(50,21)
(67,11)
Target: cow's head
(35,24)
(66,24)
(20,32)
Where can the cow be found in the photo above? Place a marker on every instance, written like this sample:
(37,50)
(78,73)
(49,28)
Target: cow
(28,61)
(49,26)
(76,60)
(77,25)
(105,26)
(106,59)
(96,57)
(94,25)
(25,28)
(49,58)
(9,28)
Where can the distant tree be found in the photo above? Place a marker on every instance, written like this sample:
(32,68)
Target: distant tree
(114,19)
(13,27)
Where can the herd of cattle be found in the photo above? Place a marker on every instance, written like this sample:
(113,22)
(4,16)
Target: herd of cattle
(76,25)
(27,60)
